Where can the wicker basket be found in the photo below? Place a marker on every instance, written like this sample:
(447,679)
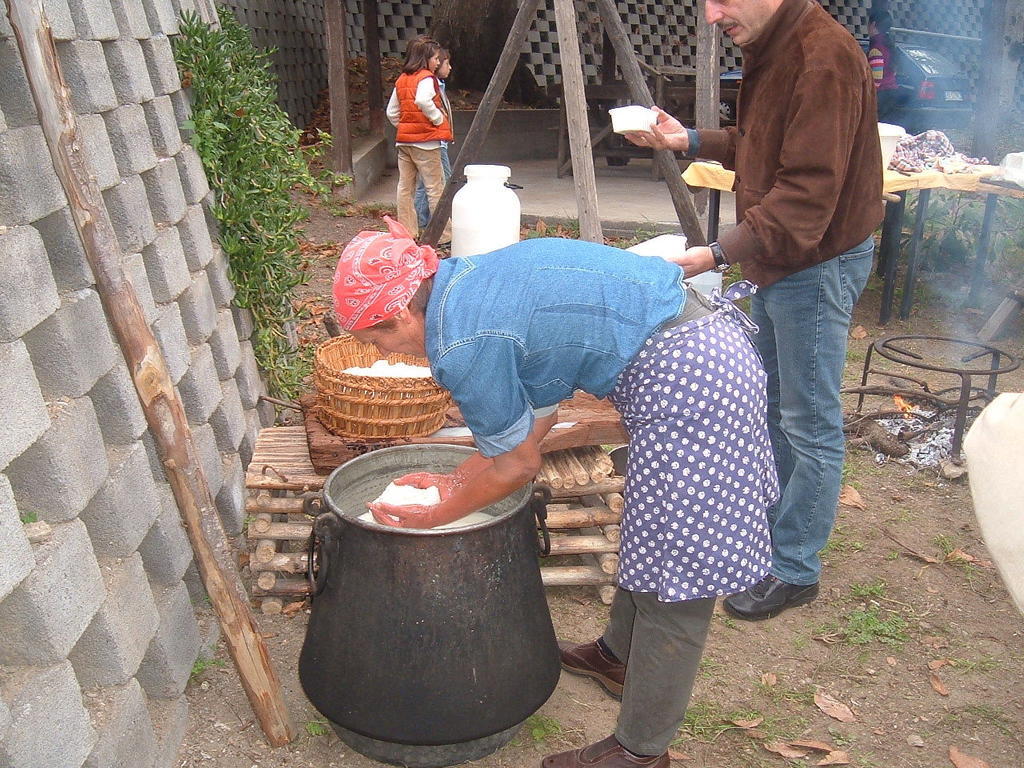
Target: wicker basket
(374,406)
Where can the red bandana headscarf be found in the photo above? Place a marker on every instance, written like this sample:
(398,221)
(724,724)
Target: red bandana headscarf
(377,275)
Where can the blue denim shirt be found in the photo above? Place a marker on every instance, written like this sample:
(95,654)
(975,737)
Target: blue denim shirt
(525,326)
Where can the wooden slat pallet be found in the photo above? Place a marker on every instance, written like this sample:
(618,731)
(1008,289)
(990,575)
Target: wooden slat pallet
(583,517)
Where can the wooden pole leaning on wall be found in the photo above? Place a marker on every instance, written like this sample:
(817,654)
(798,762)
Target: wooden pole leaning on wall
(160,402)
(340,154)
(484,115)
(641,94)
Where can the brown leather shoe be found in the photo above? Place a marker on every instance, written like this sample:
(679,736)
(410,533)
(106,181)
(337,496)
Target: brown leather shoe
(607,753)
(589,660)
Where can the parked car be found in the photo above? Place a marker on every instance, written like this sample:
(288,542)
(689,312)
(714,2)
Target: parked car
(936,92)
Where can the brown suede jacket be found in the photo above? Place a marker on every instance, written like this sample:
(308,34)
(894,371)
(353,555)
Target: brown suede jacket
(805,148)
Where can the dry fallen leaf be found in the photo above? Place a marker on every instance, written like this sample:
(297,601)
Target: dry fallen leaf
(819,746)
(769,679)
(935,664)
(851,497)
(833,708)
(934,641)
(960,760)
(676,755)
(937,684)
(747,724)
(782,748)
(859,332)
(541,227)
(838,757)
(891,661)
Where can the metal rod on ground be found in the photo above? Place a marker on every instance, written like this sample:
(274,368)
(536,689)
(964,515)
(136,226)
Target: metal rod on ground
(641,94)
(579,124)
(160,402)
(482,120)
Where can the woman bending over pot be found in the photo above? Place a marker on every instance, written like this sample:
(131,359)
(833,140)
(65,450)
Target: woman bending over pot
(514,332)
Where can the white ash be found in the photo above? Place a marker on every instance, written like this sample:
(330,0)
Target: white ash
(934,445)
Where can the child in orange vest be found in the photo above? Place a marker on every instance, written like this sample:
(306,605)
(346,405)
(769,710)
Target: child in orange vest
(417,110)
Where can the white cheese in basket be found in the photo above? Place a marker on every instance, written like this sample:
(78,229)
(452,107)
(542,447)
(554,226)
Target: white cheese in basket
(388,370)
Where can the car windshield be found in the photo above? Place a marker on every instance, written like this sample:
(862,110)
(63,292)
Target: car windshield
(931,63)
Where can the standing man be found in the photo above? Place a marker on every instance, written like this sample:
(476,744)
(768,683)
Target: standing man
(808,198)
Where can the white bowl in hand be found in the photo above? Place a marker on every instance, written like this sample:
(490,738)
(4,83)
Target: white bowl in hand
(632,118)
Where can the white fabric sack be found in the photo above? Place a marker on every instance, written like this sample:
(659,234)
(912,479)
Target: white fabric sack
(994,448)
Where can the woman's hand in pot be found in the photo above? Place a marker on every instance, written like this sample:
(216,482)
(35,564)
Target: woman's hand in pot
(410,516)
(446,484)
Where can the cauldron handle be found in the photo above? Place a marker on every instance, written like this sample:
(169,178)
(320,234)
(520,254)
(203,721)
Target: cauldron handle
(316,553)
(539,501)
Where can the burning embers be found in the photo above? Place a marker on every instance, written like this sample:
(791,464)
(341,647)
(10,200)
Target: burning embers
(918,423)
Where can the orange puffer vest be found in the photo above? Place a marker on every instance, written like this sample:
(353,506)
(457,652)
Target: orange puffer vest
(413,125)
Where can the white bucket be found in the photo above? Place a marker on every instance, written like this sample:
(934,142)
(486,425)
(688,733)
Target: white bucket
(889,136)
(632,118)
(669,247)
(485,213)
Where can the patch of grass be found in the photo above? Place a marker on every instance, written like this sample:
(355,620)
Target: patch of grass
(200,666)
(709,667)
(729,621)
(541,727)
(317,727)
(800,642)
(945,544)
(983,664)
(705,722)
(840,543)
(989,715)
(894,555)
(866,591)
(29,517)
(780,694)
(867,626)
(840,738)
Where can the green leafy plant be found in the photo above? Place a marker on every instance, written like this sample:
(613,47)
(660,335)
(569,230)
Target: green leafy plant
(317,727)
(867,626)
(201,665)
(875,589)
(29,517)
(541,727)
(251,154)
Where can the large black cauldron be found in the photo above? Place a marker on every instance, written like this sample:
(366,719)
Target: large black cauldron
(425,648)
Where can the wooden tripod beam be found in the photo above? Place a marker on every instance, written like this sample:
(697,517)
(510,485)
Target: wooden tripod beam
(484,115)
(641,94)
(580,149)
(160,402)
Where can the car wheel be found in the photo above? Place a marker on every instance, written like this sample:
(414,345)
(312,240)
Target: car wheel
(727,111)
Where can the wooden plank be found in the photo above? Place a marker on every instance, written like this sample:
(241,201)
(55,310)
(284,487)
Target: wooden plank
(374,78)
(484,115)
(580,147)
(641,94)
(280,531)
(280,461)
(581,517)
(613,484)
(574,576)
(339,156)
(160,402)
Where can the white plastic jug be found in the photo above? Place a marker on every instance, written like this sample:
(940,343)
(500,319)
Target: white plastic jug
(668,246)
(485,213)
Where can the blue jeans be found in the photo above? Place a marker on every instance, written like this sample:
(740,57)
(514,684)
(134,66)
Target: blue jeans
(421,202)
(803,324)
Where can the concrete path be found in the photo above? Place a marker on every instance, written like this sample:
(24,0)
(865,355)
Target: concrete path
(628,199)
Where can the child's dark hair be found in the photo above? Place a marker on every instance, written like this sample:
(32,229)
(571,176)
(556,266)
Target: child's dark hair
(444,55)
(882,20)
(418,54)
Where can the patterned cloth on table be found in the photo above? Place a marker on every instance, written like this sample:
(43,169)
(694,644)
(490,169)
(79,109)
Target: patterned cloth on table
(701,473)
(931,150)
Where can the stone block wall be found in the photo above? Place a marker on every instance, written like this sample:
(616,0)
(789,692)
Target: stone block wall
(98,629)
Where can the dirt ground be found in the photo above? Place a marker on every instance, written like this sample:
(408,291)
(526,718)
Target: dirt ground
(913,632)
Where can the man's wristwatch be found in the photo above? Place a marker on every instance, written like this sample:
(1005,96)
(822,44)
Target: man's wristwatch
(720,263)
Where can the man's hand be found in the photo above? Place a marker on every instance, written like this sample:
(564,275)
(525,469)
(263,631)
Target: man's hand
(695,260)
(667,133)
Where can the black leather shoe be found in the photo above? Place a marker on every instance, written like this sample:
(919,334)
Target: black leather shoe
(769,597)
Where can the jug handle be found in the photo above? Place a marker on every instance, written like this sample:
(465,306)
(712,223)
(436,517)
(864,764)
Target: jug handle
(316,555)
(539,501)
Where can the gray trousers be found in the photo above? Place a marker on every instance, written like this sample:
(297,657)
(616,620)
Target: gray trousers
(661,645)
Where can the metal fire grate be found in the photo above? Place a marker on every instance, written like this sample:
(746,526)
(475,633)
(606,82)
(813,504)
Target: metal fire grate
(946,355)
